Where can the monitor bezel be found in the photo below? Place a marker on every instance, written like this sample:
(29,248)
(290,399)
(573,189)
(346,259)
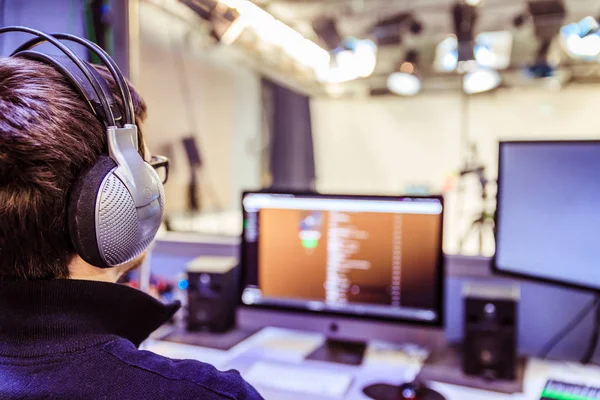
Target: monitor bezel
(496,269)
(439,322)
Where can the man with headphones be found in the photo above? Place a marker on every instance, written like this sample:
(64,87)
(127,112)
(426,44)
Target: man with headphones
(80,202)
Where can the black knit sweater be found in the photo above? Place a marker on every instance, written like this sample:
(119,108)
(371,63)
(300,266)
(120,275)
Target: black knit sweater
(69,339)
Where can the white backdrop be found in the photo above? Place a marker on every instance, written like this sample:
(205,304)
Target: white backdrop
(382,145)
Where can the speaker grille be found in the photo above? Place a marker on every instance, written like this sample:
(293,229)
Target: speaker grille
(117,222)
(120,237)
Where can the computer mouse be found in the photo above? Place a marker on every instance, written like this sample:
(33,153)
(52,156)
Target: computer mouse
(408,391)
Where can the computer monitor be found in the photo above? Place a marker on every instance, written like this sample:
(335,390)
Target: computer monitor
(548,213)
(354,267)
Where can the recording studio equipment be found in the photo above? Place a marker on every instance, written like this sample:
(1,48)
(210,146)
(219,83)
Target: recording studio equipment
(116,206)
(212,293)
(483,223)
(344,265)
(490,331)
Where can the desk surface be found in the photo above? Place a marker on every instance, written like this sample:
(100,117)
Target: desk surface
(383,363)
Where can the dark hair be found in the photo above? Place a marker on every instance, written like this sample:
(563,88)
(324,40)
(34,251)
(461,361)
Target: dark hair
(48,136)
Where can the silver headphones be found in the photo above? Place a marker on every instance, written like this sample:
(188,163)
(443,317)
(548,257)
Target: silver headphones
(115,208)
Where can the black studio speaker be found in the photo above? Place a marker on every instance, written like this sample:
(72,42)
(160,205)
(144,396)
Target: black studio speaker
(212,294)
(490,332)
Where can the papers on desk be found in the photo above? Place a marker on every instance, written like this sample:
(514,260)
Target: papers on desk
(280,344)
(310,381)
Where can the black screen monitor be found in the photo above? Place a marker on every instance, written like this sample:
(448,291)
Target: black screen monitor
(548,213)
(362,257)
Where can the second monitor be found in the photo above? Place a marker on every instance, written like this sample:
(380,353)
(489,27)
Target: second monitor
(343,260)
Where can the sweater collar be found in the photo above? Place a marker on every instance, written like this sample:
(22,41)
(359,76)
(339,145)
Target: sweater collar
(38,317)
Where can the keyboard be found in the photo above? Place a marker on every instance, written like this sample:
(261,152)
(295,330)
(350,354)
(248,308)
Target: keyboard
(556,390)
(295,378)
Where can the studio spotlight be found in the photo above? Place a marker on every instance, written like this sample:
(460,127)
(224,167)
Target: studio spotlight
(491,50)
(352,60)
(446,54)
(481,80)
(582,39)
(359,56)
(405,81)
(226,24)
(388,31)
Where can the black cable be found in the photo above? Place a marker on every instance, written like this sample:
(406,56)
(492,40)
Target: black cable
(589,354)
(569,327)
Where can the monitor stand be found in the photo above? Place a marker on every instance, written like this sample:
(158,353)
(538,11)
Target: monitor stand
(339,351)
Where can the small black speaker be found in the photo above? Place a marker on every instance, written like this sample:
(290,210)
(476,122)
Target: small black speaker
(490,332)
(212,294)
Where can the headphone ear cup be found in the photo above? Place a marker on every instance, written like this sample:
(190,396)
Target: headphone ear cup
(81,212)
(105,226)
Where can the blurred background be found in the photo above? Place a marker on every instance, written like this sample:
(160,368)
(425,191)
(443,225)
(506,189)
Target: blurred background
(342,96)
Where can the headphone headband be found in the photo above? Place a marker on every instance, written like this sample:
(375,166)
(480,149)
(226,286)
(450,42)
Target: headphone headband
(76,77)
(69,53)
(106,60)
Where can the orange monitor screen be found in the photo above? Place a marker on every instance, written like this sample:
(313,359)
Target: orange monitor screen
(373,256)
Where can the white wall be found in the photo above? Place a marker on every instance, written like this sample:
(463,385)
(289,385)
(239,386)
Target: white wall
(225,100)
(381,145)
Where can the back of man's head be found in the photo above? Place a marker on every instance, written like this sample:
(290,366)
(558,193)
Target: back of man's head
(48,136)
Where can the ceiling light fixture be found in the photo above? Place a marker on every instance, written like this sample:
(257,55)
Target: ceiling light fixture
(582,39)
(405,81)
(352,60)
(481,80)
(226,24)
(275,32)
(365,58)
(389,31)
(492,50)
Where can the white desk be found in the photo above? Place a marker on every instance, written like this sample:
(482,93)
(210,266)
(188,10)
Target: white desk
(382,363)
